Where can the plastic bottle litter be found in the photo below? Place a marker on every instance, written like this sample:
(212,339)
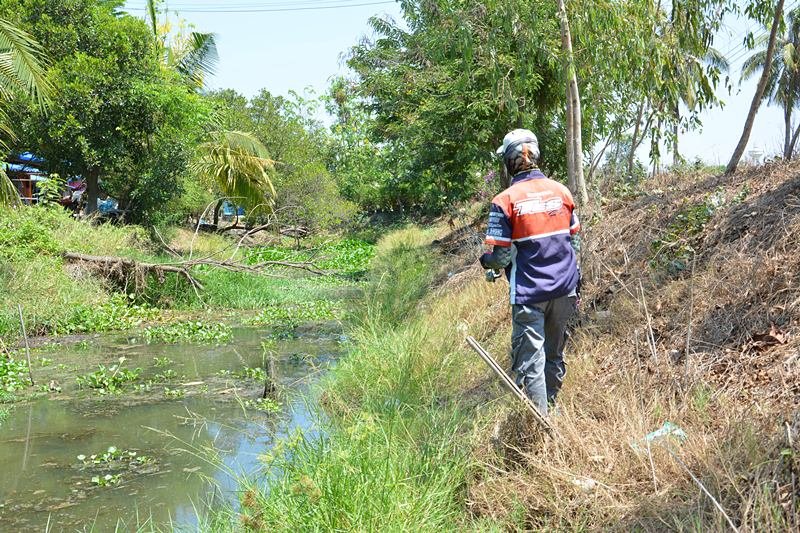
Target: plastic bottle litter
(668,429)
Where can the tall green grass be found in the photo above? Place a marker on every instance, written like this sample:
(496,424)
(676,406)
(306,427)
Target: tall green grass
(394,454)
(398,471)
(58,298)
(32,273)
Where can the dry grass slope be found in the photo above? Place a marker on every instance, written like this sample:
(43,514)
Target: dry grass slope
(690,315)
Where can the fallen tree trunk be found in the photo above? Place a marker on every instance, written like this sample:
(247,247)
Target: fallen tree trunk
(126,272)
(129,273)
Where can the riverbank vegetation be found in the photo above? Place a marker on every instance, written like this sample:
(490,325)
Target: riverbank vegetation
(61,298)
(422,437)
(227,210)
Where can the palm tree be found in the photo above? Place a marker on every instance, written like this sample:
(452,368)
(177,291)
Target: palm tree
(193,56)
(690,73)
(755,104)
(22,74)
(783,82)
(234,162)
(237,164)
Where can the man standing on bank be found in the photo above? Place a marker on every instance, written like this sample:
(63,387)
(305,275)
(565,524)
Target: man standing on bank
(532,225)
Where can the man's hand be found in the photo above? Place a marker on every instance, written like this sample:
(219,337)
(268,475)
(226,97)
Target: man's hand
(498,259)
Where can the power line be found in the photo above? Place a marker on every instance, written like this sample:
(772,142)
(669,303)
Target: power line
(267,8)
(255,4)
(738,52)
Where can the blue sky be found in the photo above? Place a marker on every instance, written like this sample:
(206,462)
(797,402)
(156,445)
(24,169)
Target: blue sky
(292,50)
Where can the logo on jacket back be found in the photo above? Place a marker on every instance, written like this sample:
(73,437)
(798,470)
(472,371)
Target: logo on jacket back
(539,203)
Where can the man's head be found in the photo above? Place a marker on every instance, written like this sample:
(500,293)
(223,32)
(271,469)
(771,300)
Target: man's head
(520,151)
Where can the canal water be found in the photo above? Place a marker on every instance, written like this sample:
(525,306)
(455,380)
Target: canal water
(173,447)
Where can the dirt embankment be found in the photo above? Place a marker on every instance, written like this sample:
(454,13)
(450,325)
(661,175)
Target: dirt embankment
(715,261)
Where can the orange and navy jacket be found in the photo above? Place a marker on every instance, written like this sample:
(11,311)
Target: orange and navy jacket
(536,217)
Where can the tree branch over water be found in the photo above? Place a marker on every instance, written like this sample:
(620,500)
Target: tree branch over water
(129,273)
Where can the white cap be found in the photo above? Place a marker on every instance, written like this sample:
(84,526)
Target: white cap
(517,137)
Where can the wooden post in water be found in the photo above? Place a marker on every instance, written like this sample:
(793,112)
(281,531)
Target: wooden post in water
(269,380)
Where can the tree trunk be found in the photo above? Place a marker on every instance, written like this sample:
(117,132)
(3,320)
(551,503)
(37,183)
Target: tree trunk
(676,154)
(756,103)
(794,139)
(573,185)
(634,140)
(676,110)
(217,209)
(574,119)
(92,190)
(787,133)
(577,141)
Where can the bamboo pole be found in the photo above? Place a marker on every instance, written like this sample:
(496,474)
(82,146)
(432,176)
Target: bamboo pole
(27,346)
(509,384)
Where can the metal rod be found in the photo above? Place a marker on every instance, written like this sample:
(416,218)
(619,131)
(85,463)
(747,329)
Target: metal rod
(509,383)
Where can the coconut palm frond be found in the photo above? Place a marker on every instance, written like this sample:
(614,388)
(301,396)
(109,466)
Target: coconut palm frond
(22,64)
(754,64)
(8,192)
(199,58)
(238,164)
(6,133)
(717,59)
(789,53)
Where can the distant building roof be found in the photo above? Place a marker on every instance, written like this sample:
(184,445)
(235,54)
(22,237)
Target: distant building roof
(26,157)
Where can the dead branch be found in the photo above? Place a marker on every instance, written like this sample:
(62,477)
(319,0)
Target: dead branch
(128,272)
(257,268)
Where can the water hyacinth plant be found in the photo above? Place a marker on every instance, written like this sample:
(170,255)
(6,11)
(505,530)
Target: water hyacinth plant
(189,332)
(111,379)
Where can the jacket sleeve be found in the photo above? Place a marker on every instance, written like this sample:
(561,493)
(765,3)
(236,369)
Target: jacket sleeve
(499,231)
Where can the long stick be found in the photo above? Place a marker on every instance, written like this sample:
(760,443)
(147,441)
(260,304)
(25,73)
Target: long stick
(510,385)
(269,379)
(651,337)
(703,488)
(691,315)
(794,477)
(27,347)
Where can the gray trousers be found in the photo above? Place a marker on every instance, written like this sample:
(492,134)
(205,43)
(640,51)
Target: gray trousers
(537,348)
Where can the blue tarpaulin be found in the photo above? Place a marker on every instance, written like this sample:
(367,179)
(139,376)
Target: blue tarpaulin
(25,162)
(28,157)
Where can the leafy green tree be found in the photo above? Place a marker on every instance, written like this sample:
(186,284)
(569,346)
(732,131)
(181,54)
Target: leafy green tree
(117,115)
(639,62)
(783,81)
(233,163)
(306,192)
(22,73)
(364,169)
(445,86)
